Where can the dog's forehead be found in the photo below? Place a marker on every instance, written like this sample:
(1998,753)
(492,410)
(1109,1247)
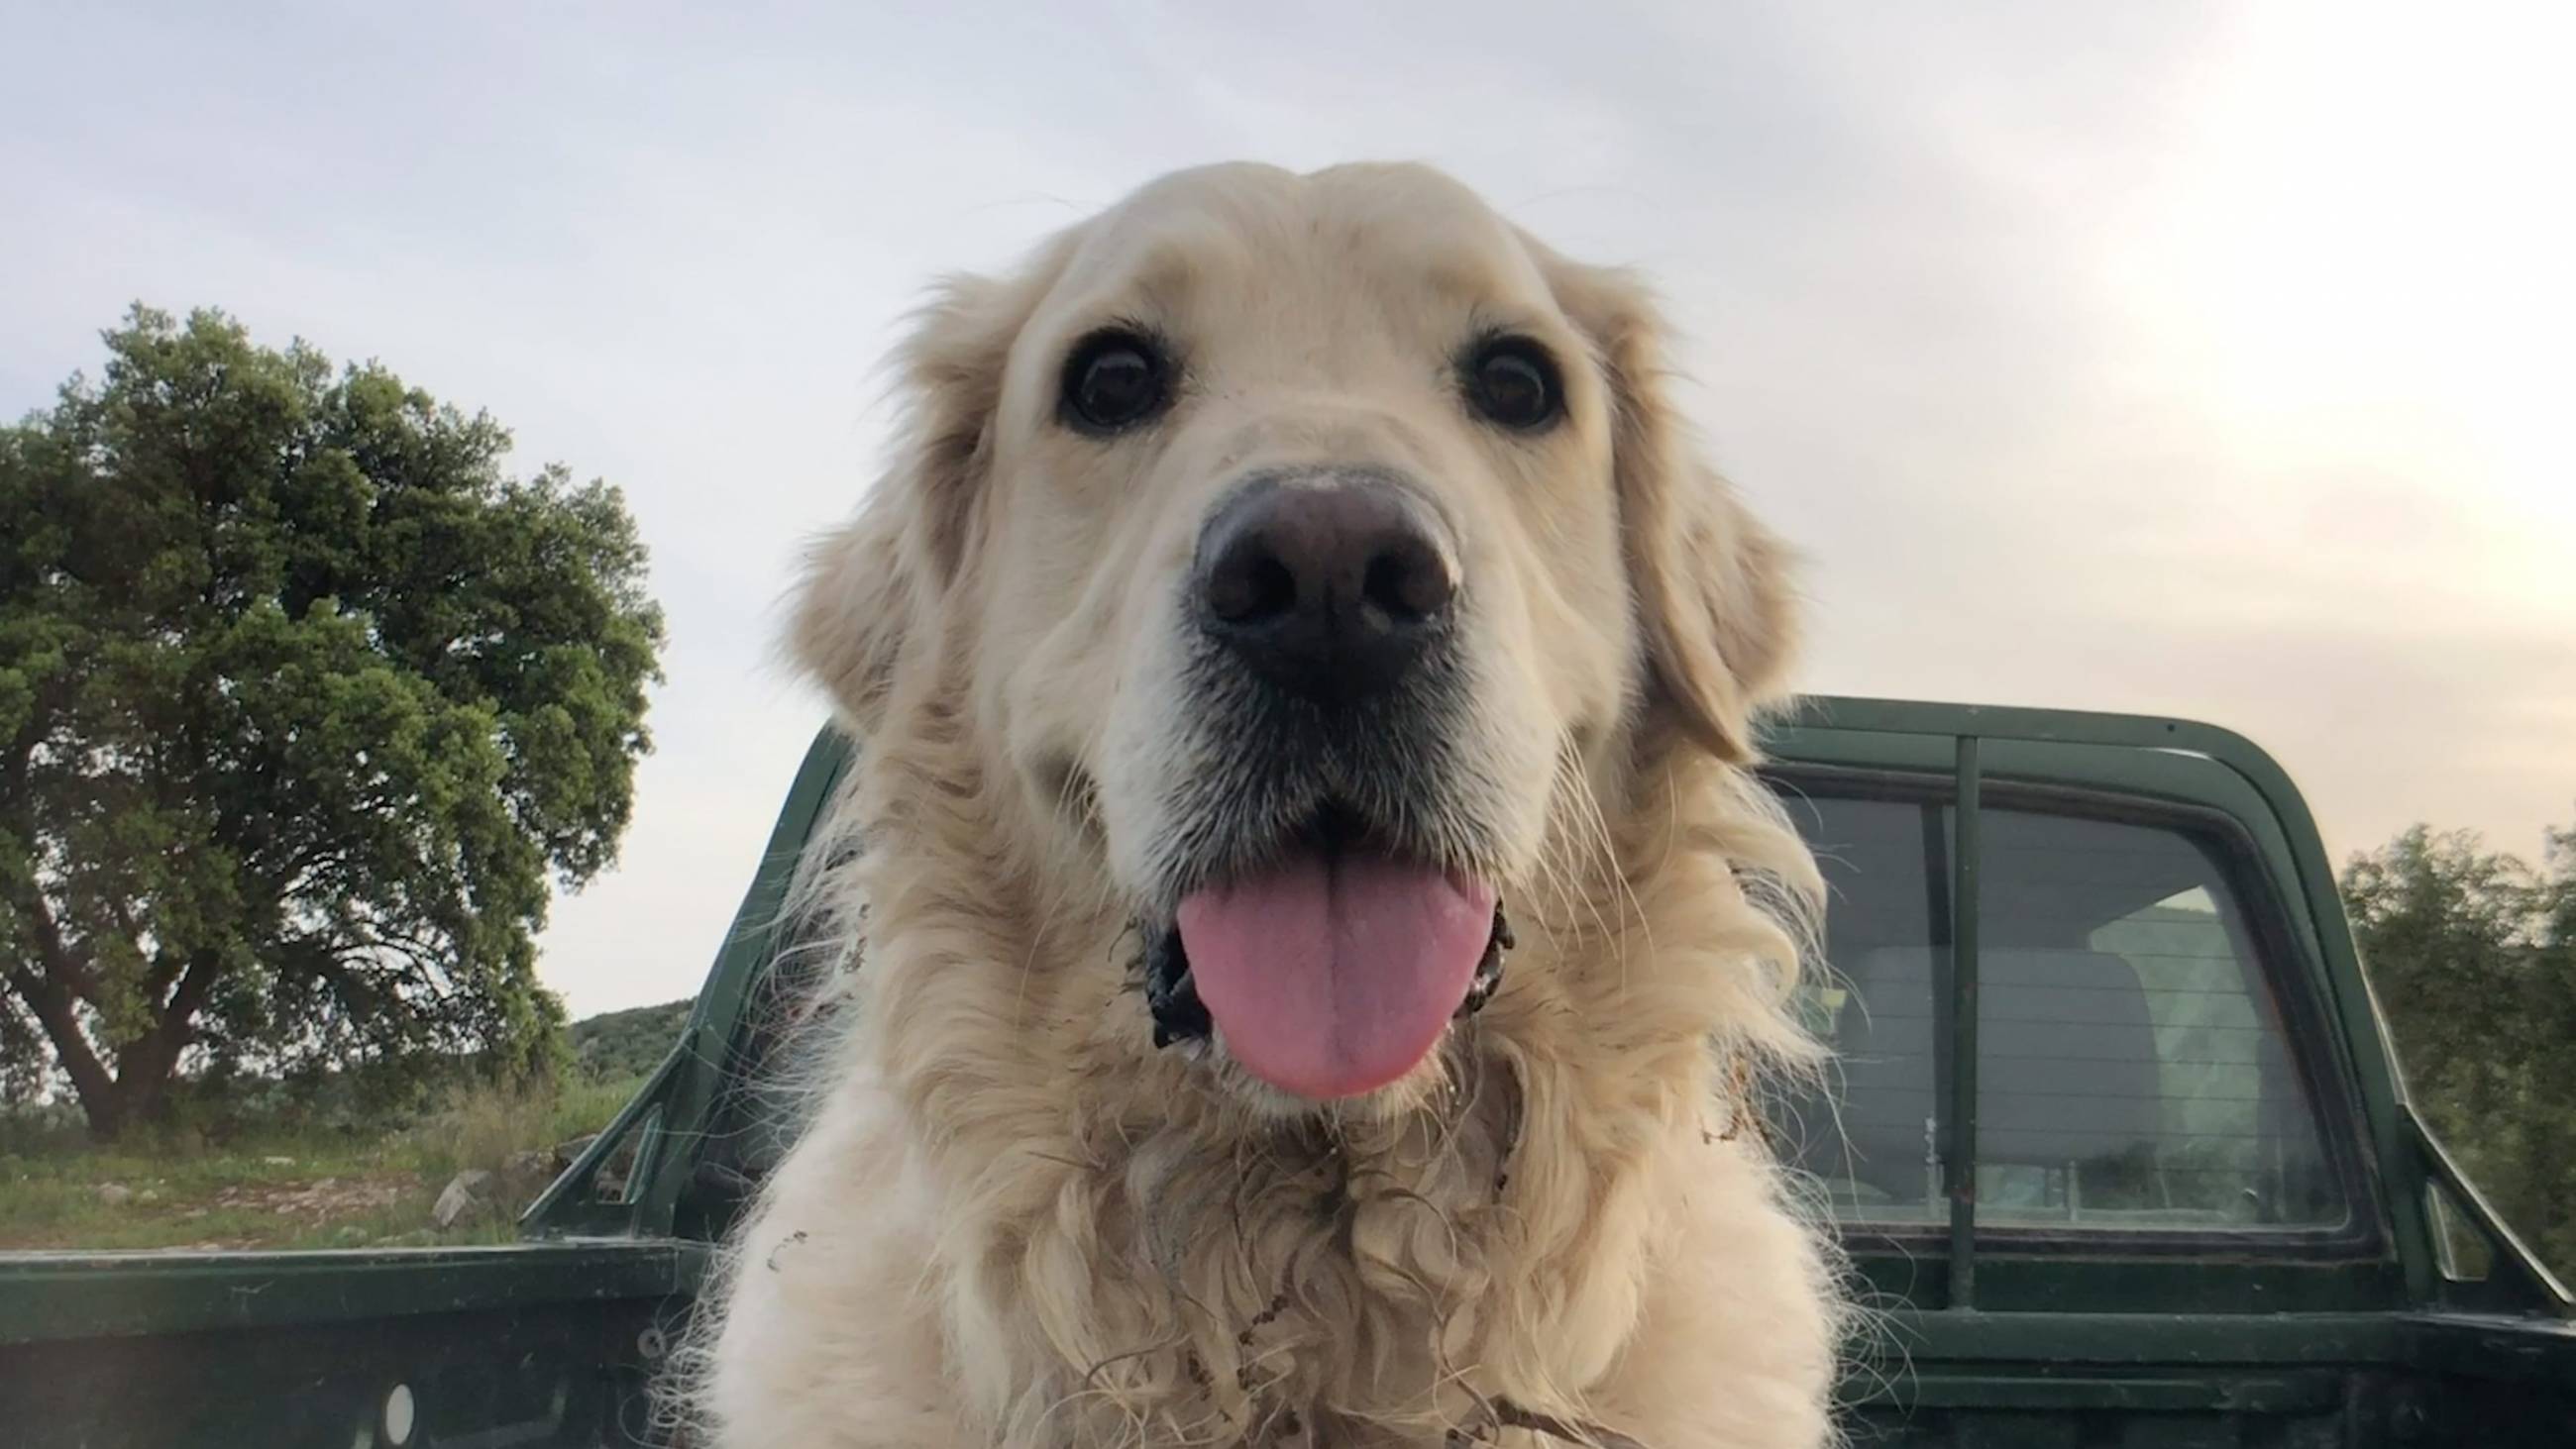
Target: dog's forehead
(1224,229)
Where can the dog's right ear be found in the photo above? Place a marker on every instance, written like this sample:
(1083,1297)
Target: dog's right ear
(1713,588)
(877,585)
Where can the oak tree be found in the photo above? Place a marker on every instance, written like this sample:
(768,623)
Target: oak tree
(303,701)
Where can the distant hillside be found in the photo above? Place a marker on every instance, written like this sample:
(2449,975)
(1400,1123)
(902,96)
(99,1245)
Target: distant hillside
(628,1043)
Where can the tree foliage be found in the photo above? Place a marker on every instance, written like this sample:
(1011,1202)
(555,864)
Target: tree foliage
(2473,956)
(302,699)
(618,1044)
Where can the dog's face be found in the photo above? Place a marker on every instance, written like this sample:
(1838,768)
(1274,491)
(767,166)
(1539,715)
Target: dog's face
(1308,553)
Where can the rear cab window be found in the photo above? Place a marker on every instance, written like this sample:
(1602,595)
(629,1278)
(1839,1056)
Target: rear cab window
(2137,1073)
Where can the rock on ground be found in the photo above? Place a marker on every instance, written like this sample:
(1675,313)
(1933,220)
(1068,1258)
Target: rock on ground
(463,1191)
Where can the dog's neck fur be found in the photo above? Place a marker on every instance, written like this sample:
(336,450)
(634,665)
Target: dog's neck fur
(1138,1257)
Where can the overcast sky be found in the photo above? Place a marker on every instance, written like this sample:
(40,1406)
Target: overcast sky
(2204,360)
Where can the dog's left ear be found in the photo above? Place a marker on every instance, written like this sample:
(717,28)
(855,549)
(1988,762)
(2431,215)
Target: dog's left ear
(1713,588)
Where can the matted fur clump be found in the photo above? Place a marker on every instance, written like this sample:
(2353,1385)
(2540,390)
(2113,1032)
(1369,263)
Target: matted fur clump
(1012,1217)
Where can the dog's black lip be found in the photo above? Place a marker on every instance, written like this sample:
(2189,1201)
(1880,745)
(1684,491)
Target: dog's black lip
(1489,968)
(1170,995)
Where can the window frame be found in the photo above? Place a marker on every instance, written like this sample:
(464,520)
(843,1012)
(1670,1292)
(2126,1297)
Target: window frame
(2281,966)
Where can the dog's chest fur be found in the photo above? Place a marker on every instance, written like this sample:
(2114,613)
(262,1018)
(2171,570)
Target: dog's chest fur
(1281,1283)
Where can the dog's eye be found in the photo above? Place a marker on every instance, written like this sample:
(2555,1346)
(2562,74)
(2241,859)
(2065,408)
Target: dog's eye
(1114,380)
(1513,382)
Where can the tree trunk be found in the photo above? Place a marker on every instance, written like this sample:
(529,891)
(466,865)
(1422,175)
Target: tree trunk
(106,1113)
(145,1066)
(113,1101)
(51,1001)
(128,1102)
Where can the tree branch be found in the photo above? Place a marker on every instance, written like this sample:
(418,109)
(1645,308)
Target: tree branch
(43,987)
(53,1008)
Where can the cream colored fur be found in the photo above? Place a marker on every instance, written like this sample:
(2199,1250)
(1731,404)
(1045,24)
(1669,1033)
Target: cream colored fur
(1011,1220)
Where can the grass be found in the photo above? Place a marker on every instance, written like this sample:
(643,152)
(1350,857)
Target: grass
(269,1186)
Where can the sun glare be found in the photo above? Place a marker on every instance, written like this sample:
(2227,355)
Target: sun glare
(2366,268)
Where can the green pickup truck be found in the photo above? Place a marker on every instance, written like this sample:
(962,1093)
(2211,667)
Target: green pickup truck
(2092,966)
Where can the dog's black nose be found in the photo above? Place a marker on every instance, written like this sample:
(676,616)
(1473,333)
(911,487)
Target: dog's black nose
(1330,585)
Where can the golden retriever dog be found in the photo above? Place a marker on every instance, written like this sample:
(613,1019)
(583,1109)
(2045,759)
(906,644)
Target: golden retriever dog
(1321,933)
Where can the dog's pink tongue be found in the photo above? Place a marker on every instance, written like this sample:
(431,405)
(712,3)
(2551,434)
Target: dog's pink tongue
(1333,978)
